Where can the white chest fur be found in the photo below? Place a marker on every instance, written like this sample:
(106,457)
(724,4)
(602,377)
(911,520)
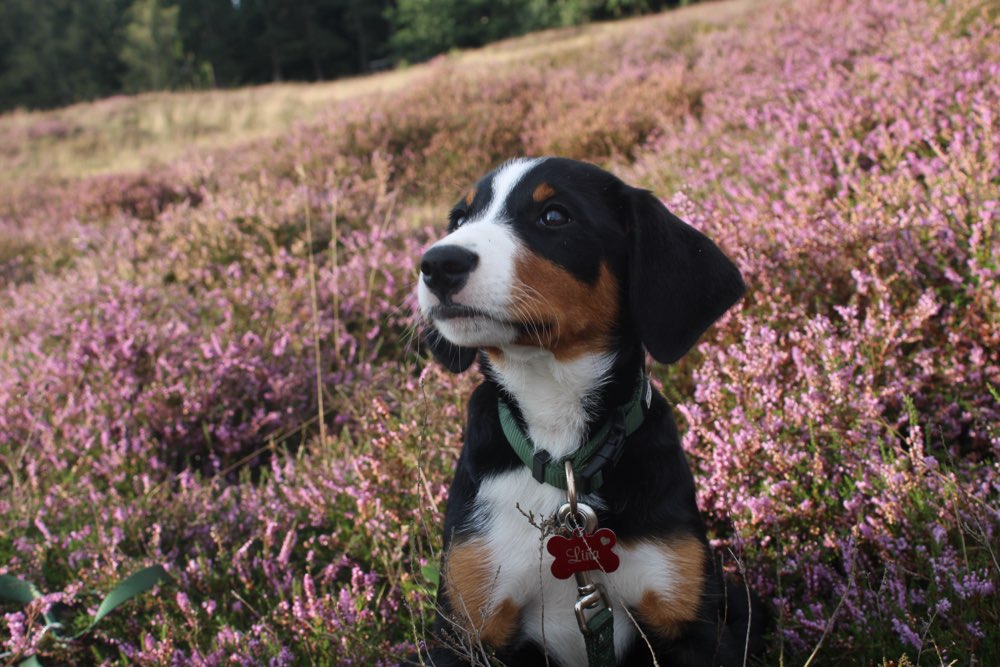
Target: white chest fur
(522,565)
(553,397)
(520,568)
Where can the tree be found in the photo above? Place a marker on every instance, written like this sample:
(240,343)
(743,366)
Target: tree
(89,48)
(366,23)
(153,51)
(59,51)
(310,39)
(423,28)
(211,37)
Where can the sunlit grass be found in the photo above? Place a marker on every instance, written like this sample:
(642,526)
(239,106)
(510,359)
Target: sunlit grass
(130,133)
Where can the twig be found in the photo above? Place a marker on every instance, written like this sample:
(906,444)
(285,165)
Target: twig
(743,575)
(314,306)
(829,622)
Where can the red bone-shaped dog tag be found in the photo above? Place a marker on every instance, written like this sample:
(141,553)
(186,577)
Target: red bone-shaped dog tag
(581,553)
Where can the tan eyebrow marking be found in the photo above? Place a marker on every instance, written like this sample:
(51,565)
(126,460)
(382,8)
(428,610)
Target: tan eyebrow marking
(469,197)
(543,192)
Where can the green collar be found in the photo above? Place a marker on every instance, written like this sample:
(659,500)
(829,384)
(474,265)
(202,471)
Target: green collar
(591,461)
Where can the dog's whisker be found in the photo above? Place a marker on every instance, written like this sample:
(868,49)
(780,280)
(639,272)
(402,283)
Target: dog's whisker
(542,301)
(531,303)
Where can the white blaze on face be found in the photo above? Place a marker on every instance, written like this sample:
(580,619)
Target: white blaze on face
(490,285)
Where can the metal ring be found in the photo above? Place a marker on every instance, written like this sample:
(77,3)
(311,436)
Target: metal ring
(585,518)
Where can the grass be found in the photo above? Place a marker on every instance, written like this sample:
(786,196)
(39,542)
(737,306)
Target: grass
(132,133)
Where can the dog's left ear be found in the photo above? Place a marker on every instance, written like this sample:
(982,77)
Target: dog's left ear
(679,281)
(453,357)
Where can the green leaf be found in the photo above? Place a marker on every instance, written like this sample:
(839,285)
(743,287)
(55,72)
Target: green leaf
(431,573)
(17,590)
(140,582)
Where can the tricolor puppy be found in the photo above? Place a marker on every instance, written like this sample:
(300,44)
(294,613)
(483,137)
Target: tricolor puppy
(560,278)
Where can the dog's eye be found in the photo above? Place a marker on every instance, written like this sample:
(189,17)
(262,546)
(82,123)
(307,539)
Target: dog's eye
(554,217)
(458,220)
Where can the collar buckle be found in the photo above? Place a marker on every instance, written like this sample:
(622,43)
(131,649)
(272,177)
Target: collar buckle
(539,463)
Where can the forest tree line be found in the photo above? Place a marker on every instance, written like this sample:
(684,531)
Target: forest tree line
(57,52)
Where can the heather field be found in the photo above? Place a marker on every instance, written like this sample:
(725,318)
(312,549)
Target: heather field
(208,358)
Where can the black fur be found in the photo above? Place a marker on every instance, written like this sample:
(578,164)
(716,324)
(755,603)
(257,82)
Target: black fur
(453,357)
(681,281)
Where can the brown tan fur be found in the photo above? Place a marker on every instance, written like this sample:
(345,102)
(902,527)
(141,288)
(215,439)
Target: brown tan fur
(469,584)
(471,195)
(667,612)
(573,316)
(543,192)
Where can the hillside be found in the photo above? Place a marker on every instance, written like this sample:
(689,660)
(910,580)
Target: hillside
(132,133)
(208,356)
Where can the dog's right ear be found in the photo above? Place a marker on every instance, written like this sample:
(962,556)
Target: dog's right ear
(680,281)
(453,357)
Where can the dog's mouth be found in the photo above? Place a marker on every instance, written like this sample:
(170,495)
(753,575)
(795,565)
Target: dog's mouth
(451,312)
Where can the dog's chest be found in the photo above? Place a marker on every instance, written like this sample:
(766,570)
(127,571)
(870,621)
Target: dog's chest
(509,511)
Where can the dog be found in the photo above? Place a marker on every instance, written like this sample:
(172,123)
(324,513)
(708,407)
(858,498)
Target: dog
(559,278)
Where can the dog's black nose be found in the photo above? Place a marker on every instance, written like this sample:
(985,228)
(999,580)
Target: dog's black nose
(446,268)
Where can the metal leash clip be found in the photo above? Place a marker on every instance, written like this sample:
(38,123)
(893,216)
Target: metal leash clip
(580,519)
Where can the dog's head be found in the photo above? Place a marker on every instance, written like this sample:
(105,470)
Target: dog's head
(561,255)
